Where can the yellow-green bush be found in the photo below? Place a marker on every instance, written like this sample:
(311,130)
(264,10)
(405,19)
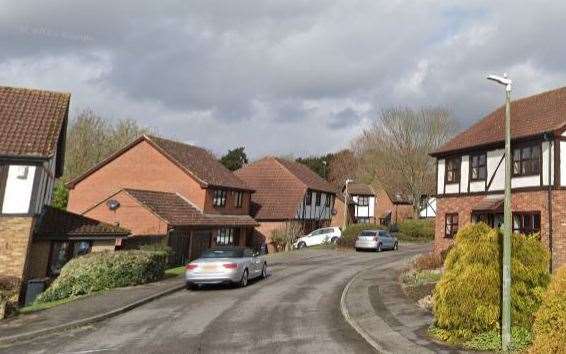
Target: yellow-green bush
(550,320)
(467,298)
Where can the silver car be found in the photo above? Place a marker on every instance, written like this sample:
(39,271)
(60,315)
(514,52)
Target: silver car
(377,240)
(225,265)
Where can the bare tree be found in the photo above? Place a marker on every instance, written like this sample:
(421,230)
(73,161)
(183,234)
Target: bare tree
(91,138)
(394,150)
(341,166)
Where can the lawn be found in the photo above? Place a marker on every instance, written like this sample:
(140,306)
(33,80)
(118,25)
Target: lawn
(174,272)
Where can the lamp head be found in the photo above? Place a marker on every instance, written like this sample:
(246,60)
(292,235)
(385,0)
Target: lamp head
(503,80)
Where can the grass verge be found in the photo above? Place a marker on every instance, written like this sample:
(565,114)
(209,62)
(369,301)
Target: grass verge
(174,272)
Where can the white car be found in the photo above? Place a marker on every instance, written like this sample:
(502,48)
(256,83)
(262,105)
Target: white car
(318,237)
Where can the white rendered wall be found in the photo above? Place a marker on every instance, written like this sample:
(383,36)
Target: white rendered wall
(17,196)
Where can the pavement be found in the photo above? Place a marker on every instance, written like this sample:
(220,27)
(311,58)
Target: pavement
(374,304)
(298,309)
(84,310)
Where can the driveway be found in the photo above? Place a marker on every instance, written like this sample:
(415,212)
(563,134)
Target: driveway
(295,310)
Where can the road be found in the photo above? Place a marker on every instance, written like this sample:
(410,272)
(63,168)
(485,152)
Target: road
(295,310)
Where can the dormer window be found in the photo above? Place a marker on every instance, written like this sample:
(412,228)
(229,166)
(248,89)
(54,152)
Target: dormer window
(453,170)
(219,199)
(478,169)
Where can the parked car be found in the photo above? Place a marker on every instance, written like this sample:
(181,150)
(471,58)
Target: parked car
(225,265)
(377,240)
(318,237)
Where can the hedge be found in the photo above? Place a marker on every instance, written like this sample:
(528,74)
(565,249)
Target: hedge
(549,328)
(105,270)
(467,298)
(417,229)
(349,235)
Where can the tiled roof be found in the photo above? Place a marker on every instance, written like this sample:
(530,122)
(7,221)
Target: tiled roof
(178,211)
(530,116)
(279,186)
(306,175)
(195,161)
(59,224)
(359,189)
(32,122)
(200,162)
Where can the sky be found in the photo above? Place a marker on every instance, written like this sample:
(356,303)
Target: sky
(280,77)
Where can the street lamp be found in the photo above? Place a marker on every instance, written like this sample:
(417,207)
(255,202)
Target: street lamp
(348,181)
(506,275)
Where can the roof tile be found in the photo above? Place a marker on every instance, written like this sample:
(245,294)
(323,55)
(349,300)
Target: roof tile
(530,116)
(31,121)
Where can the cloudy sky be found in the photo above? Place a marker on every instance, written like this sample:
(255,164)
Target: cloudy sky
(280,77)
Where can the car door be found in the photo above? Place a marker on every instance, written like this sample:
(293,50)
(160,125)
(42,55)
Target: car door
(313,238)
(385,239)
(389,240)
(253,262)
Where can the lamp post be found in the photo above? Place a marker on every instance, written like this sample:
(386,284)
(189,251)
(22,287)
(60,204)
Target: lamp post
(506,273)
(346,205)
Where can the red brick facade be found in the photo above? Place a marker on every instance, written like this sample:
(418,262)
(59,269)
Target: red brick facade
(522,201)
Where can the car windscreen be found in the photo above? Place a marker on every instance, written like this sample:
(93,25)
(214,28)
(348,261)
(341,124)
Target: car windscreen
(228,253)
(367,233)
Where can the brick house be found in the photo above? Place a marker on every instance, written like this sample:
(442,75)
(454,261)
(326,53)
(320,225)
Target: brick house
(163,190)
(471,173)
(286,191)
(35,239)
(368,204)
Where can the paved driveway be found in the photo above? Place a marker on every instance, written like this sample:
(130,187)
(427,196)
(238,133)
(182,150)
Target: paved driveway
(295,310)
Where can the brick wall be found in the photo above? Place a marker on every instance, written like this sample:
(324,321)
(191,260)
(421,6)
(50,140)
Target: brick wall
(15,237)
(521,201)
(131,215)
(338,218)
(264,230)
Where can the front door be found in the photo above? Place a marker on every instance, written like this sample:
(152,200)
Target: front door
(200,241)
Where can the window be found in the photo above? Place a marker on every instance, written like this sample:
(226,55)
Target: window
(453,170)
(327,199)
(225,237)
(363,200)
(526,161)
(526,223)
(238,199)
(318,197)
(478,171)
(219,200)
(363,220)
(308,198)
(451,226)
(62,252)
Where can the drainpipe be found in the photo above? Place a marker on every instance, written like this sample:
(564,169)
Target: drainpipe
(548,137)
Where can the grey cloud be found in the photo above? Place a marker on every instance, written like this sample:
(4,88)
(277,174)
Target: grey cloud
(191,67)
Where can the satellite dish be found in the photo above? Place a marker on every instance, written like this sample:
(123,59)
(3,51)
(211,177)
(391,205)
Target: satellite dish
(113,204)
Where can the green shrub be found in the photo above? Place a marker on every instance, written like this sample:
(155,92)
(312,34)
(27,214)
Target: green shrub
(467,298)
(550,320)
(491,341)
(422,229)
(105,270)
(349,235)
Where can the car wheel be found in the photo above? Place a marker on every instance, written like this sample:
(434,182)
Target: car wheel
(264,271)
(244,280)
(396,246)
(379,247)
(301,245)
(357,250)
(334,240)
(191,286)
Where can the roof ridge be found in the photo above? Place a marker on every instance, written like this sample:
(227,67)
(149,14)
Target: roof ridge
(34,90)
